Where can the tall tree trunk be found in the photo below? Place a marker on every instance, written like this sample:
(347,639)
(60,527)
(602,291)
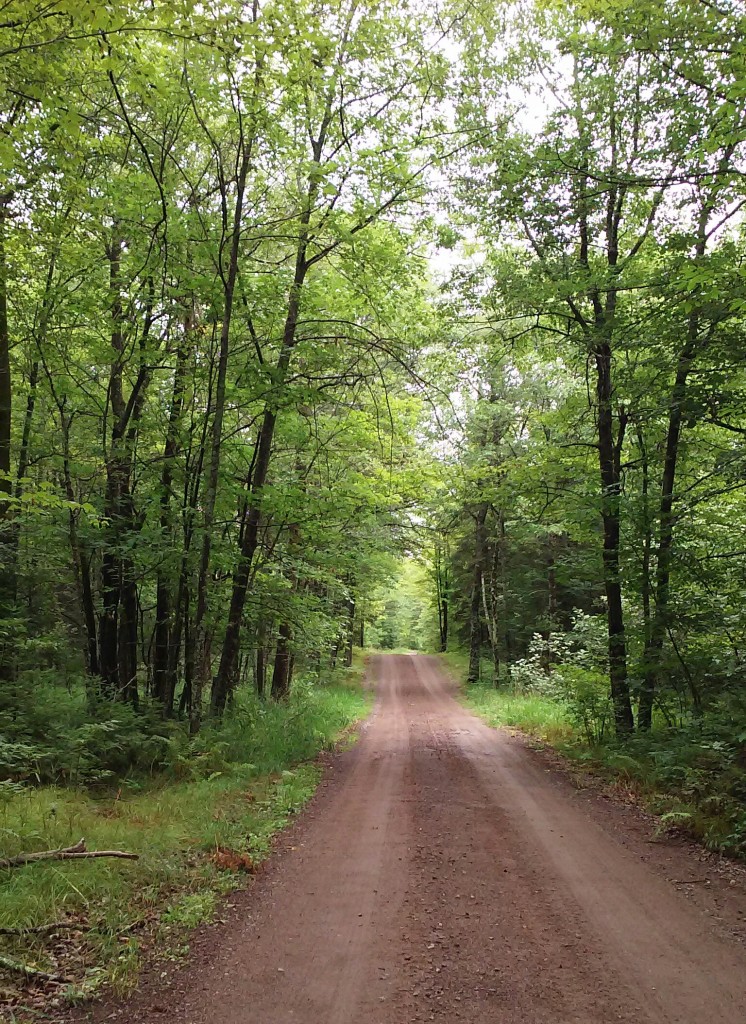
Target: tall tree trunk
(87,601)
(24,450)
(111,570)
(659,625)
(225,678)
(260,671)
(647,537)
(660,621)
(118,624)
(164,612)
(552,599)
(202,667)
(350,631)
(283,667)
(599,331)
(127,636)
(475,618)
(81,557)
(108,627)
(441,593)
(490,618)
(496,602)
(8,572)
(507,639)
(609,450)
(186,701)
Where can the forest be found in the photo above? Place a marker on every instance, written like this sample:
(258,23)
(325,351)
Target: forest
(330,326)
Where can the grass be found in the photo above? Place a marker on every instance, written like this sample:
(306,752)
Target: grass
(693,778)
(198,826)
(537,716)
(533,714)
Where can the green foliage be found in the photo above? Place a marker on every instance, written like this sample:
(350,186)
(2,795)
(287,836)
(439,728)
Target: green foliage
(264,736)
(53,735)
(400,616)
(229,448)
(232,792)
(693,776)
(190,909)
(585,694)
(531,713)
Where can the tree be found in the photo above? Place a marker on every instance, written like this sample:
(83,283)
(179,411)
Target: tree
(587,195)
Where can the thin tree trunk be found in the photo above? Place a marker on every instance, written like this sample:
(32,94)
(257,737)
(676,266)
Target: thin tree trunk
(507,640)
(8,573)
(350,631)
(225,678)
(647,537)
(475,618)
(118,625)
(127,636)
(186,701)
(283,667)
(495,601)
(24,450)
(660,622)
(111,574)
(659,625)
(164,614)
(202,668)
(599,333)
(441,595)
(261,670)
(81,558)
(608,454)
(491,622)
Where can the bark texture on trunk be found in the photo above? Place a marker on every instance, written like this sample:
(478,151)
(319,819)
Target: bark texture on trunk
(167,627)
(282,673)
(609,449)
(475,617)
(660,619)
(8,573)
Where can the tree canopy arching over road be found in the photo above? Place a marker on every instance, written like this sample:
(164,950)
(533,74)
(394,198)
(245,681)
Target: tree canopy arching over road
(362,322)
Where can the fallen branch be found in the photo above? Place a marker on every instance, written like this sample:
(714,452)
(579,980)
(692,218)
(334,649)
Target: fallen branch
(45,929)
(30,972)
(76,852)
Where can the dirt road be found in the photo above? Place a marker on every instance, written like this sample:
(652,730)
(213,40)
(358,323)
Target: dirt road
(446,872)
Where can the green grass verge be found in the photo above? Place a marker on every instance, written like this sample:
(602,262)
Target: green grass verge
(533,714)
(198,827)
(692,778)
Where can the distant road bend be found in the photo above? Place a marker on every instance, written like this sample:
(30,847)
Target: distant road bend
(446,872)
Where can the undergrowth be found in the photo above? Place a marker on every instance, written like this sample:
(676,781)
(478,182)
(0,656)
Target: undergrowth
(199,823)
(693,777)
(532,713)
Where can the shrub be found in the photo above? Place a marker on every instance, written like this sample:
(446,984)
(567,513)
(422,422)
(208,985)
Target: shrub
(585,694)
